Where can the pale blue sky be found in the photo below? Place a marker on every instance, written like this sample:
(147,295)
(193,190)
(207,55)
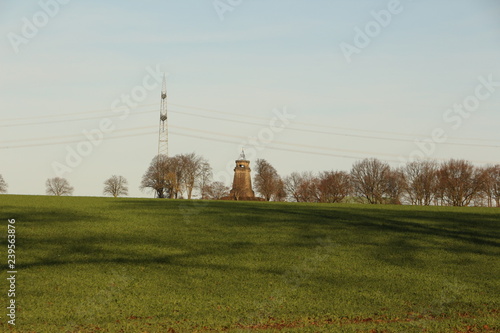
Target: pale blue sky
(264,55)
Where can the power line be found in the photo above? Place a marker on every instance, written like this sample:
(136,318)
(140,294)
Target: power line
(245,122)
(327,126)
(68,114)
(189,129)
(288,143)
(239,137)
(76,119)
(257,124)
(250,123)
(341,134)
(225,141)
(71,141)
(73,135)
(180,134)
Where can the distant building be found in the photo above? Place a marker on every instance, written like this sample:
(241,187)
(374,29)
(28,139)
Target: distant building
(242,181)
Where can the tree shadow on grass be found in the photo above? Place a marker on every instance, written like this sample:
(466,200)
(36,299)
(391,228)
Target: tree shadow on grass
(45,215)
(399,237)
(89,251)
(229,227)
(397,234)
(201,236)
(476,226)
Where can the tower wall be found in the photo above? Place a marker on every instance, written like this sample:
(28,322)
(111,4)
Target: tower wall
(242,181)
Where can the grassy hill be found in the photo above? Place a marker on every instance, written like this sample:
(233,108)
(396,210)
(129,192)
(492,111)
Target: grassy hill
(138,265)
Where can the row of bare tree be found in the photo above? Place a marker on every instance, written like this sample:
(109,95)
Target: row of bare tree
(453,183)
(172,177)
(115,186)
(169,177)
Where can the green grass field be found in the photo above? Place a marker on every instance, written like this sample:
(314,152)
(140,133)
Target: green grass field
(138,265)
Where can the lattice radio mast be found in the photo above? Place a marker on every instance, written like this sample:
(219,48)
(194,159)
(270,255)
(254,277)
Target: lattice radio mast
(163,133)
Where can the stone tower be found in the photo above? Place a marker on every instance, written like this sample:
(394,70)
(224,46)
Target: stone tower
(242,182)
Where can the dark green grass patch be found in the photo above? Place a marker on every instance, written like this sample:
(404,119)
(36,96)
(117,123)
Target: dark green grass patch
(138,265)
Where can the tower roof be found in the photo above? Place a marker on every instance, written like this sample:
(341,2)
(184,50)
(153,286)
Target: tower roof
(242,155)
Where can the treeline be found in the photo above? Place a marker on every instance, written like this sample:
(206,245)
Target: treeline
(451,183)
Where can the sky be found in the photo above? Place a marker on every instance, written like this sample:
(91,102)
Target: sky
(308,86)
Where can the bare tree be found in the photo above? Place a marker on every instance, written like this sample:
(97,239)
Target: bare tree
(334,186)
(169,177)
(58,186)
(292,185)
(192,171)
(177,177)
(116,186)
(302,187)
(494,174)
(370,180)
(155,177)
(492,185)
(460,182)
(395,186)
(3,185)
(204,178)
(421,182)
(216,190)
(266,179)
(310,188)
(280,194)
